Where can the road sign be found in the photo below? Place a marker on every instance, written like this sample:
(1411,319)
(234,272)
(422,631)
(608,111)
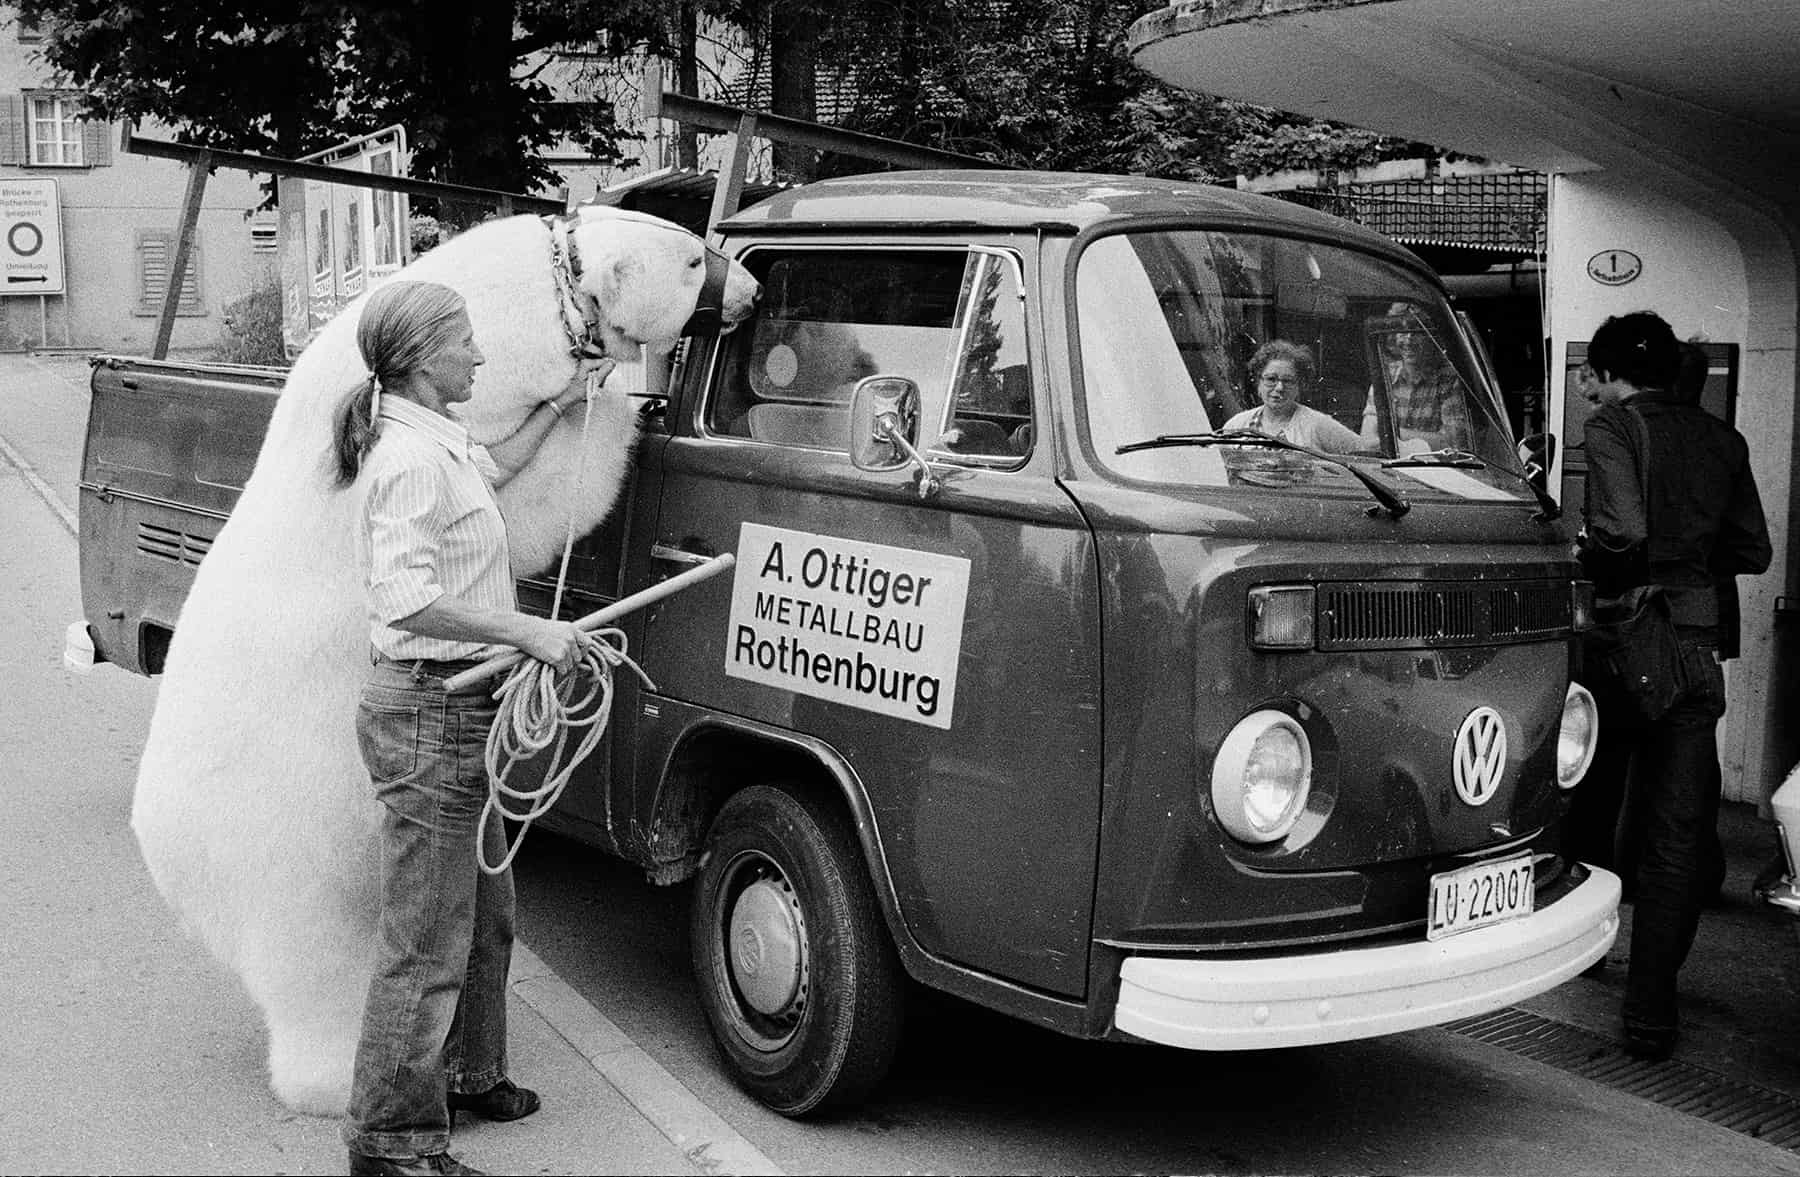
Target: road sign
(31,254)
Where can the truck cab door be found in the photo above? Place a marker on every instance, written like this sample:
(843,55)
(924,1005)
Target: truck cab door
(595,808)
(944,648)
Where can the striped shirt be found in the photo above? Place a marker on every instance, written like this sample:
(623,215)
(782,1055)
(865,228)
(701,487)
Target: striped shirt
(430,528)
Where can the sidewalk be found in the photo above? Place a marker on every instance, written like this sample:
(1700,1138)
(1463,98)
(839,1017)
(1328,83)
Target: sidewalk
(1740,988)
(146,1055)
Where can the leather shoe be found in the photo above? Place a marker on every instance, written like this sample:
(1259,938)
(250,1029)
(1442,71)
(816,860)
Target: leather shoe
(431,1163)
(505,1100)
(1650,1043)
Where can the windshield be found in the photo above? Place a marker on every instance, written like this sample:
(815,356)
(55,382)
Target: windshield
(1188,331)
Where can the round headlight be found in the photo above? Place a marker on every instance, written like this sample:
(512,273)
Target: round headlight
(1261,776)
(1580,732)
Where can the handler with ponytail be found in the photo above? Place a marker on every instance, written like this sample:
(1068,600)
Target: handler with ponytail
(440,599)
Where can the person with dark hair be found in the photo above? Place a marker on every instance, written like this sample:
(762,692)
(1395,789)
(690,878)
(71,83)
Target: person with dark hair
(1282,372)
(1701,521)
(440,599)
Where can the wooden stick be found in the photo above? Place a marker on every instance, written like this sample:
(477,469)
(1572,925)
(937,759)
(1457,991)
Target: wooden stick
(500,663)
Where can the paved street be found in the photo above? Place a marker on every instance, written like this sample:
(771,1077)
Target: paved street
(132,1051)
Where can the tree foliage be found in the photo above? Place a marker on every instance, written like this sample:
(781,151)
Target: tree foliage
(1035,83)
(1044,84)
(287,79)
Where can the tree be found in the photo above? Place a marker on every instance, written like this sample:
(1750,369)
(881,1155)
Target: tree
(287,79)
(1034,83)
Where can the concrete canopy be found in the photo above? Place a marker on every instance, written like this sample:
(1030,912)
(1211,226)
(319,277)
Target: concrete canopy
(1552,85)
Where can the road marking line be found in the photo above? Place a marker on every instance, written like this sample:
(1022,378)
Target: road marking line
(712,1145)
(44,490)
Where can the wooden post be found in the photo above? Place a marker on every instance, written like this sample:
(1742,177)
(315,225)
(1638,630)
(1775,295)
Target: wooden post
(184,241)
(728,189)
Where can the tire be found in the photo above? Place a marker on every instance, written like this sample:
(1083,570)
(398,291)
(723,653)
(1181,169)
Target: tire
(807,1011)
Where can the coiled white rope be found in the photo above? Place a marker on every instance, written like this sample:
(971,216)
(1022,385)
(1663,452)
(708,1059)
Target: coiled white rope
(539,706)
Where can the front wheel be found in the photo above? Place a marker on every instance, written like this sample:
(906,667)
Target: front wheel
(796,972)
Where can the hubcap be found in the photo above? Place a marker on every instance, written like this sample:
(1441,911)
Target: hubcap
(765,946)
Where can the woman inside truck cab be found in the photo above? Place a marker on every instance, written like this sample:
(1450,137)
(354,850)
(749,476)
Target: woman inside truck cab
(439,598)
(1281,372)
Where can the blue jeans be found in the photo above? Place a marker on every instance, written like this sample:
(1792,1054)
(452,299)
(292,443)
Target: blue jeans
(436,1015)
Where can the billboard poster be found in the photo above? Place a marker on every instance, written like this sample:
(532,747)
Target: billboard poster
(337,240)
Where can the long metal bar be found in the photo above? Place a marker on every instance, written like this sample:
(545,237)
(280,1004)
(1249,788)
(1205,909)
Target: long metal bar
(717,116)
(198,167)
(245,161)
(656,592)
(728,188)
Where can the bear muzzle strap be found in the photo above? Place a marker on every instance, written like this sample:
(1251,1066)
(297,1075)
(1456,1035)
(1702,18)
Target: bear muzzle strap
(709,309)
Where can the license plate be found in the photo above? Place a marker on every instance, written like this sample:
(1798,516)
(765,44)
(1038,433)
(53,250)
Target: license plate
(1479,895)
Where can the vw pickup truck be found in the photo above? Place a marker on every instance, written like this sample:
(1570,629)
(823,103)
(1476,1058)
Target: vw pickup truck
(1033,681)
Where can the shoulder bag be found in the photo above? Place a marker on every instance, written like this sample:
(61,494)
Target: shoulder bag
(1633,640)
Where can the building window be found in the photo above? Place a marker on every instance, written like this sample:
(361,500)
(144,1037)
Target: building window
(30,30)
(54,131)
(155,250)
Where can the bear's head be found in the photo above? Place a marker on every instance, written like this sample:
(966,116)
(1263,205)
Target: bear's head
(645,276)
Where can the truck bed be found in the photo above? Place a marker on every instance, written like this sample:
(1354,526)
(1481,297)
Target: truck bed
(169,447)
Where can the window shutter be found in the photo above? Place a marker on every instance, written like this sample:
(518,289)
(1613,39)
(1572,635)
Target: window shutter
(155,250)
(12,130)
(96,144)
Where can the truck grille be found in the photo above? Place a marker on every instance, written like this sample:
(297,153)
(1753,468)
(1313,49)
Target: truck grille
(168,543)
(1384,615)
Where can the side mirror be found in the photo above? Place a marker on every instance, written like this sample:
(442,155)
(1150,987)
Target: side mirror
(884,428)
(1537,453)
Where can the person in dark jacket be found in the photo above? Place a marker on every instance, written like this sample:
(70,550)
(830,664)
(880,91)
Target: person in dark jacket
(1701,524)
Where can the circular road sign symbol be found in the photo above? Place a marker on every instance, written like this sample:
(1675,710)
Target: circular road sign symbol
(24,239)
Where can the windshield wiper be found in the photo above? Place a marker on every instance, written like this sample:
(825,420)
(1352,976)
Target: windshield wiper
(1464,460)
(1392,504)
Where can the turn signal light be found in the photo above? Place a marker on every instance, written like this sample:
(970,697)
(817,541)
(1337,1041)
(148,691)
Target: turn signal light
(1281,617)
(1581,605)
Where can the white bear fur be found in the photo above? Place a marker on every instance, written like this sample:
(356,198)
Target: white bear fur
(253,810)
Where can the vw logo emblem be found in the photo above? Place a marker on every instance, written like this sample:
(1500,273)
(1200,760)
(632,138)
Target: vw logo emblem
(1480,755)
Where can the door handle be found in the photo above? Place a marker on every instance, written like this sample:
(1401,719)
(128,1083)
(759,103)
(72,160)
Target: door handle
(676,555)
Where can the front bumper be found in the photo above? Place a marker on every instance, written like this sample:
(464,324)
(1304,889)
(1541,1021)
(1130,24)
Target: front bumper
(1344,993)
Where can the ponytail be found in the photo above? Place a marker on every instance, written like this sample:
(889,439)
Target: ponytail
(356,432)
(401,325)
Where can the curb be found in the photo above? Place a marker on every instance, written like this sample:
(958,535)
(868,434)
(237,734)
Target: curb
(709,1143)
(44,490)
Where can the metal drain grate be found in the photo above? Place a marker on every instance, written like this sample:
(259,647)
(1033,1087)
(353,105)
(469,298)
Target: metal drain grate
(1770,1116)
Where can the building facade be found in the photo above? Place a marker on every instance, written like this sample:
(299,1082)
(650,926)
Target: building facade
(111,219)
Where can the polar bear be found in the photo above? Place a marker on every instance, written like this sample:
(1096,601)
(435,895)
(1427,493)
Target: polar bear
(252,808)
